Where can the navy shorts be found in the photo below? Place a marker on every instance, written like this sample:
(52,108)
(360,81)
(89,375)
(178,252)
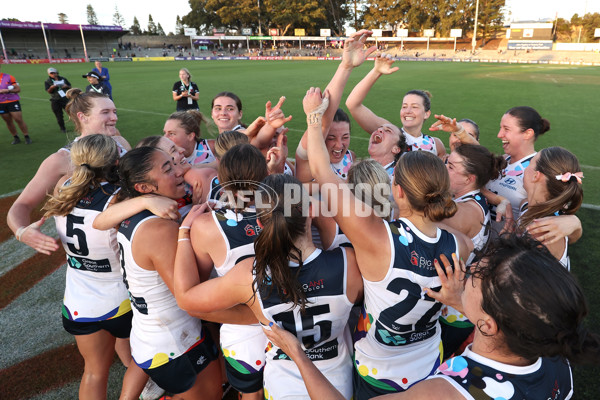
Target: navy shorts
(13,106)
(244,383)
(364,390)
(179,375)
(119,327)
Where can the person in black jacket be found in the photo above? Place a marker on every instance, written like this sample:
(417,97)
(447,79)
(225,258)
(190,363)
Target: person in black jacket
(57,86)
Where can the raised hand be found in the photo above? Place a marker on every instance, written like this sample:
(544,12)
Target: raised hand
(354,52)
(274,115)
(383,64)
(445,124)
(314,102)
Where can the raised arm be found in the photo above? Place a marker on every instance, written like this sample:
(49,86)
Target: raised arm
(363,228)
(366,118)
(353,56)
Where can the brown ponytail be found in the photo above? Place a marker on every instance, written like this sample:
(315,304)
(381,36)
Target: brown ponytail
(563,197)
(283,222)
(425,182)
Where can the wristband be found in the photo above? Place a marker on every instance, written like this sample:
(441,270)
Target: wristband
(182,227)
(314,119)
(183,239)
(21,231)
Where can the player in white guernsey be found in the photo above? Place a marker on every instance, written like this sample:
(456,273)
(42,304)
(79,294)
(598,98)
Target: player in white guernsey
(553,182)
(470,167)
(502,362)
(166,342)
(401,335)
(221,239)
(96,307)
(183,128)
(519,129)
(416,108)
(91,113)
(289,282)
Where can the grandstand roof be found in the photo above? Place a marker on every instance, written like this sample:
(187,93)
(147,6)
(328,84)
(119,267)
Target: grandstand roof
(60,27)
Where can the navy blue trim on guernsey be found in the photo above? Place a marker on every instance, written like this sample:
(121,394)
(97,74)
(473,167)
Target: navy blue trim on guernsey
(126,228)
(96,200)
(215,189)
(547,378)
(315,281)
(238,233)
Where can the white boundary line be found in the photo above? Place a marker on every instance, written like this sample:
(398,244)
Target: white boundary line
(590,167)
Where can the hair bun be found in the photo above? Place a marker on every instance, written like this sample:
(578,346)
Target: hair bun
(434,197)
(545,126)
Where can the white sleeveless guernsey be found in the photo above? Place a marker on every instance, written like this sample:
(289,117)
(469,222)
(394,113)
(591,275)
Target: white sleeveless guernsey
(161,331)
(94,289)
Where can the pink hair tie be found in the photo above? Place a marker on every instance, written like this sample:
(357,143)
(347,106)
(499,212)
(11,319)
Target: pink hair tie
(566,177)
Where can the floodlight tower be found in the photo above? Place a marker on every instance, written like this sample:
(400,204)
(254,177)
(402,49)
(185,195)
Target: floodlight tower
(474,41)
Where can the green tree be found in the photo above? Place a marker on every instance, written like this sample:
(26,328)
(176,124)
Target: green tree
(491,17)
(118,18)
(563,31)
(338,13)
(135,28)
(62,18)
(91,15)
(286,14)
(159,30)
(152,30)
(392,13)
(178,26)
(589,24)
(202,17)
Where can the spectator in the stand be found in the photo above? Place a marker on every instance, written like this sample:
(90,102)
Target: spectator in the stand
(96,84)
(10,108)
(57,86)
(103,72)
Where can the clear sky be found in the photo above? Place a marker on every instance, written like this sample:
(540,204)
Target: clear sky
(541,9)
(166,11)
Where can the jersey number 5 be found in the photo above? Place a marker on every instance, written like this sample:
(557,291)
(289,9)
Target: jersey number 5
(73,232)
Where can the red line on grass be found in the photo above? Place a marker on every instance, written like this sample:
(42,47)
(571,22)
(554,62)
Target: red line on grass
(5,204)
(42,373)
(27,274)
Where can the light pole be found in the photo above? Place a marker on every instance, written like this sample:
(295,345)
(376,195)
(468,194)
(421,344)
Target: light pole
(259,26)
(474,41)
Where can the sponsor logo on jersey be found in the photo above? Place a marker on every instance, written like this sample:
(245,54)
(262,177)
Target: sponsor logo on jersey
(252,230)
(313,285)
